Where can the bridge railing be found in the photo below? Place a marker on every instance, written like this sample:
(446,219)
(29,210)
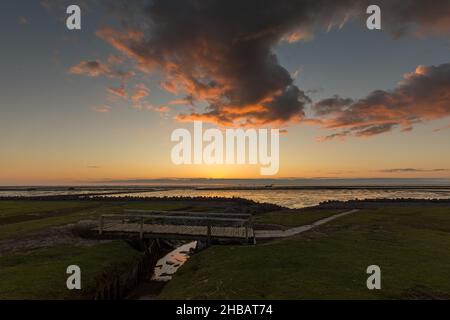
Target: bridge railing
(209,220)
(193,214)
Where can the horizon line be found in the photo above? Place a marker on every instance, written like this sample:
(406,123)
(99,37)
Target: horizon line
(179,181)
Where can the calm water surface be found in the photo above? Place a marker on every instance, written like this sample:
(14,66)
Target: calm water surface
(169,264)
(287,198)
(300,198)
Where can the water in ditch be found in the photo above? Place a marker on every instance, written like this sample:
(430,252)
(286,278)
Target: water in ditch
(165,268)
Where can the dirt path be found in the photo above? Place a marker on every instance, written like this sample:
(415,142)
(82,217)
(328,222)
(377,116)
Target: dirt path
(271,234)
(53,236)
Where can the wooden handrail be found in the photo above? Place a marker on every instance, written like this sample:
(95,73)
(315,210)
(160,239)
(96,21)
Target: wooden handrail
(188,213)
(169,217)
(136,222)
(181,219)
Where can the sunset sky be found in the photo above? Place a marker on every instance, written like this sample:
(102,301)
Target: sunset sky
(100,104)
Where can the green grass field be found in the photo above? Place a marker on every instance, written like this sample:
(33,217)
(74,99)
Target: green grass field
(295,218)
(41,273)
(411,245)
(19,218)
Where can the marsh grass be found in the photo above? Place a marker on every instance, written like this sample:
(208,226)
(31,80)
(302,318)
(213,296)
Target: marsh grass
(411,245)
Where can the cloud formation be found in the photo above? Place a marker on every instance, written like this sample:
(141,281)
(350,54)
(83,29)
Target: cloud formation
(161,109)
(406,170)
(422,95)
(219,54)
(118,92)
(95,69)
(418,16)
(102,109)
(140,92)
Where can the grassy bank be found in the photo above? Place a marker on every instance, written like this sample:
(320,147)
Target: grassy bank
(41,274)
(411,245)
(34,259)
(18,218)
(38,241)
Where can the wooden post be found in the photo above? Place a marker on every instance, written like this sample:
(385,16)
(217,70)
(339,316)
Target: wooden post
(246,233)
(253,229)
(141,231)
(209,234)
(100,229)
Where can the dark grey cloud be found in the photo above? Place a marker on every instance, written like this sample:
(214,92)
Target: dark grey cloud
(221,52)
(331,105)
(419,16)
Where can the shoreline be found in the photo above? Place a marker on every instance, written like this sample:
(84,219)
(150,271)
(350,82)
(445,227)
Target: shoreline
(270,186)
(355,203)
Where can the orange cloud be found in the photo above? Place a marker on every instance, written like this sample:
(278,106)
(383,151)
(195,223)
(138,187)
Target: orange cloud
(95,69)
(180,102)
(163,110)
(300,34)
(226,62)
(140,93)
(119,92)
(120,40)
(102,109)
(89,68)
(239,90)
(422,95)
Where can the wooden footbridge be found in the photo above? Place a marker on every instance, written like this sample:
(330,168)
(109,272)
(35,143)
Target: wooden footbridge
(177,225)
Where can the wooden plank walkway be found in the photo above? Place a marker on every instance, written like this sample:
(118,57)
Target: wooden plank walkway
(195,226)
(178,225)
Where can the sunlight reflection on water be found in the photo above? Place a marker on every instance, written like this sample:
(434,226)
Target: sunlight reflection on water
(300,198)
(170,263)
